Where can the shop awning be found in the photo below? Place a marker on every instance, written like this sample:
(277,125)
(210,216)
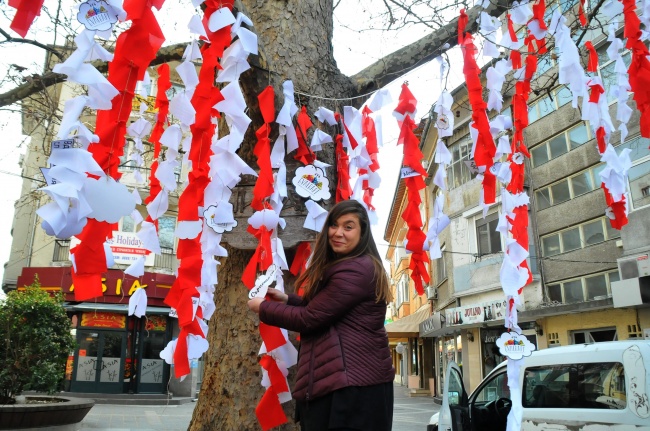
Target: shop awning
(408,326)
(122,308)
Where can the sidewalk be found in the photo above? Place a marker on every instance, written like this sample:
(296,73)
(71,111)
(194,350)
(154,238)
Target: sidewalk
(410,414)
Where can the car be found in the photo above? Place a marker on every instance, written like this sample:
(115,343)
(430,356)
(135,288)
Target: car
(579,388)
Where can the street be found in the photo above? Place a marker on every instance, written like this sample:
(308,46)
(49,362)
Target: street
(410,414)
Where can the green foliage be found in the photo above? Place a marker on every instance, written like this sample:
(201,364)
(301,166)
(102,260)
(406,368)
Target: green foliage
(35,342)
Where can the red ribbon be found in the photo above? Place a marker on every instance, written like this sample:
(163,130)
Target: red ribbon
(303,153)
(618,209)
(264,184)
(277,379)
(272,337)
(462,23)
(581,13)
(343,189)
(539,9)
(128,66)
(639,70)
(26,12)
(162,103)
(415,237)
(262,258)
(592,64)
(299,263)
(269,410)
(406,101)
(188,252)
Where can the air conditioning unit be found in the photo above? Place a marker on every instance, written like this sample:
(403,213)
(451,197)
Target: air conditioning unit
(432,292)
(634,267)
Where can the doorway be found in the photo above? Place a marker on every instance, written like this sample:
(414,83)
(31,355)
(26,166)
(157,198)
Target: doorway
(99,361)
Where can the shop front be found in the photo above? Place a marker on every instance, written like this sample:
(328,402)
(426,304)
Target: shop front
(467,335)
(413,356)
(116,353)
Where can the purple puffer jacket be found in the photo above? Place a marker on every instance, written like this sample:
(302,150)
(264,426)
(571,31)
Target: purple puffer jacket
(342,337)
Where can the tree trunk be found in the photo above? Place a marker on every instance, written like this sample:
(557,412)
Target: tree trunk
(295,43)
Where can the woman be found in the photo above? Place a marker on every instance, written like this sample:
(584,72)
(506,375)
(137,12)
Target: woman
(345,371)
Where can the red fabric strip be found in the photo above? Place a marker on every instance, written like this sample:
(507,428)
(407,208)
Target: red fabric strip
(269,411)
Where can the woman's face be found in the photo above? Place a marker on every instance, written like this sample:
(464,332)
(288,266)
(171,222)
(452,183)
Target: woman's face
(344,234)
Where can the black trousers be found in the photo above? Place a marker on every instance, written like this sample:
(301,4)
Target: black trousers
(355,408)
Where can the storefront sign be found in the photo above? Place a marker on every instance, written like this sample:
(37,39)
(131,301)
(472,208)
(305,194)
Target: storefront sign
(116,285)
(126,248)
(433,323)
(97,319)
(476,313)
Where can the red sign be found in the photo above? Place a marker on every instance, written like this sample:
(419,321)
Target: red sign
(98,319)
(116,285)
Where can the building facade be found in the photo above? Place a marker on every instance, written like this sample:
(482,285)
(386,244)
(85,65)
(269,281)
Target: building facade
(116,352)
(591,282)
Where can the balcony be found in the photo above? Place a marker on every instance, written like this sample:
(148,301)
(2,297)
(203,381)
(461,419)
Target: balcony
(166,259)
(61,250)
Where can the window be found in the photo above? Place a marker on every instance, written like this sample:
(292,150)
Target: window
(494,389)
(639,147)
(126,160)
(568,188)
(128,224)
(402,290)
(588,288)
(458,172)
(489,240)
(551,245)
(174,90)
(596,287)
(441,268)
(607,71)
(593,232)
(594,336)
(639,178)
(560,144)
(166,227)
(560,192)
(598,385)
(570,239)
(546,104)
(580,236)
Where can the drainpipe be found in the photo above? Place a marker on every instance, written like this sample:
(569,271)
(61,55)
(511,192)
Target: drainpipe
(33,233)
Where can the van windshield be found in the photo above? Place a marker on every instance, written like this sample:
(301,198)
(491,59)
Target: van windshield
(589,385)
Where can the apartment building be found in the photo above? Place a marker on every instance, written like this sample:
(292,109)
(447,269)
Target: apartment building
(590,283)
(116,353)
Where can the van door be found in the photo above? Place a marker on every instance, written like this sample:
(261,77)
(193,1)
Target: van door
(454,413)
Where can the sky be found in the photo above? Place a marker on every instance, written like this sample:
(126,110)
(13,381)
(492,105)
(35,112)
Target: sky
(353,50)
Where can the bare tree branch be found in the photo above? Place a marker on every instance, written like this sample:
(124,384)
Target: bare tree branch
(408,58)
(8,38)
(36,83)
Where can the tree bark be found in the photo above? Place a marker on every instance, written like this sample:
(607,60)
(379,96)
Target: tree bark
(295,43)
(294,38)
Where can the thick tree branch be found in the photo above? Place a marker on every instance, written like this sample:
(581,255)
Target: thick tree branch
(371,78)
(37,83)
(429,47)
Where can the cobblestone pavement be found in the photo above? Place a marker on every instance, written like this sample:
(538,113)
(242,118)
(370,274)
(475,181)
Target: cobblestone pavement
(410,414)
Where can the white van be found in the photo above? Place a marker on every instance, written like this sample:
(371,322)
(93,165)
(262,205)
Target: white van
(600,386)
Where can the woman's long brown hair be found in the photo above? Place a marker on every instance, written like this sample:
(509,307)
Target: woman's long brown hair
(323,255)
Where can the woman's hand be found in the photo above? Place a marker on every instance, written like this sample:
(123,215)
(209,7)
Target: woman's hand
(277,295)
(254,304)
